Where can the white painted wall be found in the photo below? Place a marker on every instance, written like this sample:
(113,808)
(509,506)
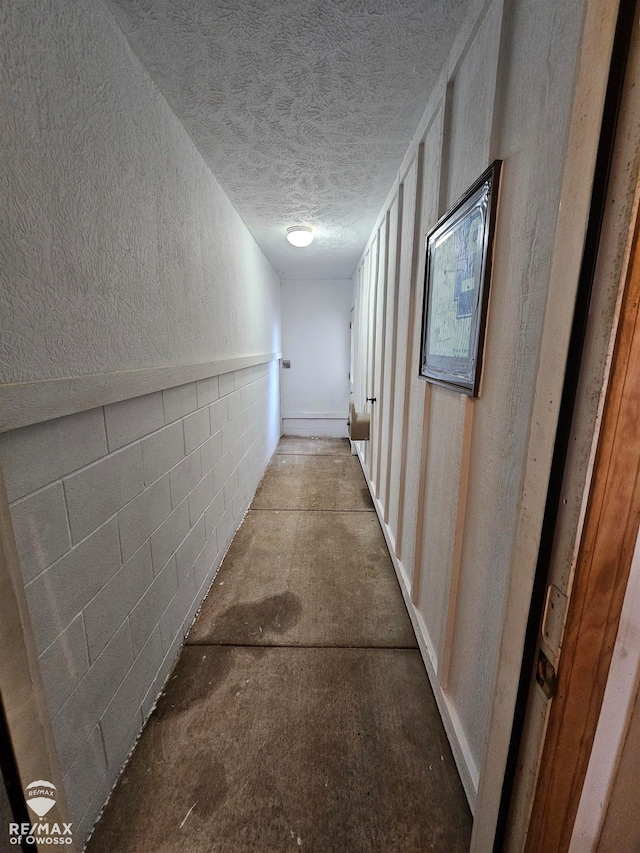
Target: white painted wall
(120,250)
(464,493)
(316,339)
(610,276)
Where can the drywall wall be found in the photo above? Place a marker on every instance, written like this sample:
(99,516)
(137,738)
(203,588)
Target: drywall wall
(316,339)
(456,489)
(387,384)
(614,250)
(415,391)
(621,827)
(401,318)
(120,250)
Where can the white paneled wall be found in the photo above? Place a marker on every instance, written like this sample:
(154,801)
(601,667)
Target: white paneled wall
(122,515)
(446,472)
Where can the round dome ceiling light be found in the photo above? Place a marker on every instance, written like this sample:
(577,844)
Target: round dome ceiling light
(300,235)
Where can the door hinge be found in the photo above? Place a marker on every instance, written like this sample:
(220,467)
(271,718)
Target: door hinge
(546,675)
(555,609)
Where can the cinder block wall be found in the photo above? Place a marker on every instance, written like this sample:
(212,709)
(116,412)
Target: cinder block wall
(122,515)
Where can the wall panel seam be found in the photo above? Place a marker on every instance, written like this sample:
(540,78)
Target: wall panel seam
(413,299)
(458,538)
(394,347)
(460,747)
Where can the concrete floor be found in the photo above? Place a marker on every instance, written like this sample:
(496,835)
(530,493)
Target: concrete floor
(299,715)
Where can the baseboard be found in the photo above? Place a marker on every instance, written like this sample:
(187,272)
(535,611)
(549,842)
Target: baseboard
(315,426)
(459,746)
(315,416)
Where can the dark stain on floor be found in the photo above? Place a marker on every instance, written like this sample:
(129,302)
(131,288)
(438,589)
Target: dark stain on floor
(336,563)
(324,747)
(210,790)
(196,683)
(275,614)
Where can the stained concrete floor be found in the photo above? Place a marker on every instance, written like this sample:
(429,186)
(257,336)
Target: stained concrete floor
(299,715)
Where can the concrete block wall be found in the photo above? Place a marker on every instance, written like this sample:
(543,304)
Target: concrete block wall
(122,515)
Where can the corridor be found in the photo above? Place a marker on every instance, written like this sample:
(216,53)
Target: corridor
(299,714)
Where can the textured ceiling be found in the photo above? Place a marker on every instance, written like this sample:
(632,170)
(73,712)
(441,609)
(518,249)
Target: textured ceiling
(303,109)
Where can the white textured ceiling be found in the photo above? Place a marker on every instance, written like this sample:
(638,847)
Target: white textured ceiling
(303,109)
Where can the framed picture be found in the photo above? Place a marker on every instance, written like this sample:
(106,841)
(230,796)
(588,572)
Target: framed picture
(456,288)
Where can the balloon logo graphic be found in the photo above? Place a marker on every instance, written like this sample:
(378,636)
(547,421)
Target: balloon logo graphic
(41,797)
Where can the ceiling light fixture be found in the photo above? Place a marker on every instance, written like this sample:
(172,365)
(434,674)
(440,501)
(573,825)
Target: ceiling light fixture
(300,235)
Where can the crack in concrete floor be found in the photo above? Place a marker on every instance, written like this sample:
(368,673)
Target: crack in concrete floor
(299,715)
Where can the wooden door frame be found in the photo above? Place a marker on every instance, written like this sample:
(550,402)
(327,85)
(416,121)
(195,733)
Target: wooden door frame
(604,555)
(602,570)
(566,433)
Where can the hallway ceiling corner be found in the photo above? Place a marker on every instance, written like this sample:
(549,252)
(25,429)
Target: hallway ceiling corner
(302,109)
